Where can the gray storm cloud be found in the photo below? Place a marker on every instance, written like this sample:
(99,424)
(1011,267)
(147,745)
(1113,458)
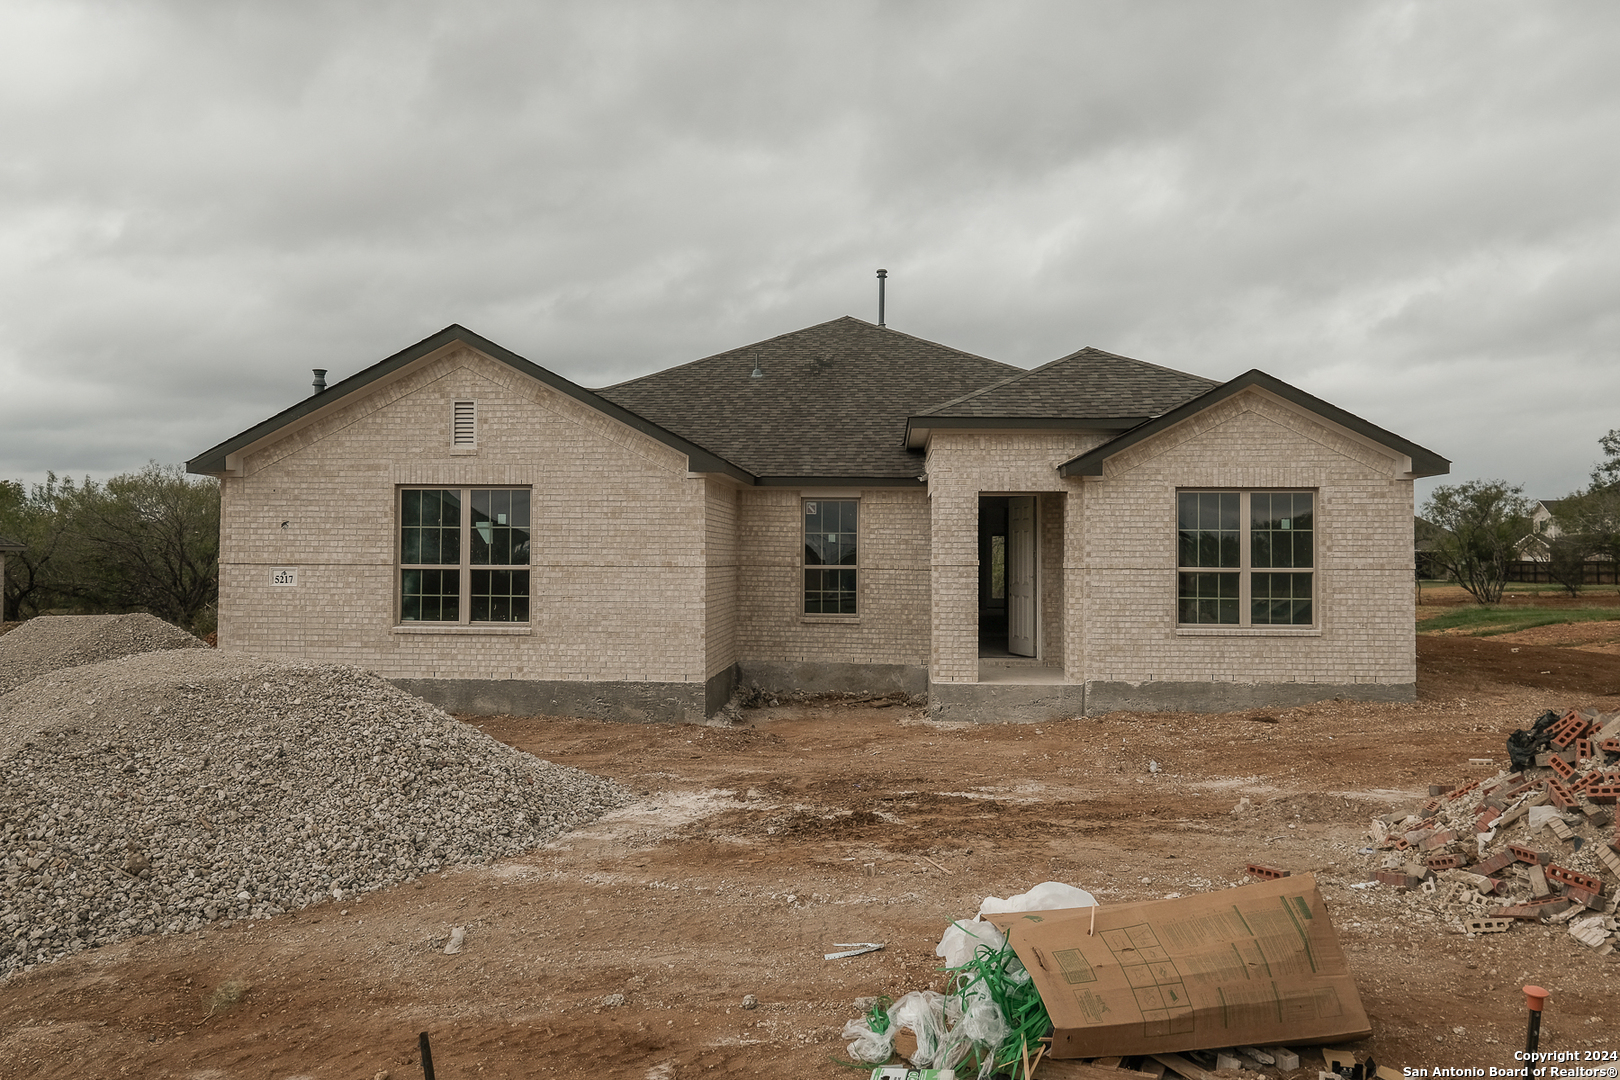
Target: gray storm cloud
(1408,209)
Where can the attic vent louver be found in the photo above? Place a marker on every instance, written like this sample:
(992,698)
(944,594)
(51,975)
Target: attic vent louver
(464,427)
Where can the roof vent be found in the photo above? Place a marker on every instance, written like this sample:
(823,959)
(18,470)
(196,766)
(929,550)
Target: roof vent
(320,379)
(757,373)
(883,276)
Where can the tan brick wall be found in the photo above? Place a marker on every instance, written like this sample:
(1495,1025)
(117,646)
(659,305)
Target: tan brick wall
(619,566)
(1126,568)
(892,627)
(720,575)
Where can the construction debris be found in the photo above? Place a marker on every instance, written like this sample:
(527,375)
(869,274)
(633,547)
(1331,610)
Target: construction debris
(1538,844)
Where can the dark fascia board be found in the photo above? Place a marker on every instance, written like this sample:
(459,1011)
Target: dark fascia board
(842,481)
(212,462)
(1425,462)
(918,428)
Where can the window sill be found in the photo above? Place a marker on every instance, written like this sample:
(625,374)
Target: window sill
(1248,631)
(846,620)
(488,629)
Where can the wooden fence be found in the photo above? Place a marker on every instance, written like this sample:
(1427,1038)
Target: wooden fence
(1531,572)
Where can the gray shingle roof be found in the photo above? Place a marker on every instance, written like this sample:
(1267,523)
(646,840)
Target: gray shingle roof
(832,402)
(1424,462)
(1085,385)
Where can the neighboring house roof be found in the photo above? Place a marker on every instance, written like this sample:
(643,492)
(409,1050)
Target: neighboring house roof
(11,545)
(1088,388)
(216,460)
(831,401)
(1425,462)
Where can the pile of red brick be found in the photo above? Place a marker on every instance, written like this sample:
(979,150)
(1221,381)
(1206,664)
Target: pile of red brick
(1539,846)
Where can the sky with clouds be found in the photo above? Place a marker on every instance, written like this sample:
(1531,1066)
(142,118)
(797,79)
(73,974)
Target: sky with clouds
(1409,209)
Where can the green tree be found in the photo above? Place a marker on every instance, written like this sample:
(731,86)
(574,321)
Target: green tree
(1566,551)
(1592,519)
(148,541)
(1483,524)
(1606,473)
(37,578)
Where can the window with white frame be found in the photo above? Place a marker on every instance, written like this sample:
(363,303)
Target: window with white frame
(831,558)
(464,555)
(1245,558)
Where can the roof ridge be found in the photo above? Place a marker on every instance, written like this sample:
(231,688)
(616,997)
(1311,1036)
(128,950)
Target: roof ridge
(1134,360)
(795,333)
(970,395)
(1087,350)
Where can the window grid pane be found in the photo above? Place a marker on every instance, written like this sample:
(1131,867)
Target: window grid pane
(1278,535)
(500,596)
(500,528)
(430,528)
(830,539)
(430,595)
(1280,529)
(829,533)
(431,524)
(829,592)
(1208,528)
(1207,598)
(1280,599)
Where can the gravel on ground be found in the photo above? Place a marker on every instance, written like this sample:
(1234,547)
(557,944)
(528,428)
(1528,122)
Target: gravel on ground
(51,642)
(162,791)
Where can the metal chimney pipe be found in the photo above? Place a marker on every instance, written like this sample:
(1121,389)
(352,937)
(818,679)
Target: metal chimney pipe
(320,379)
(883,276)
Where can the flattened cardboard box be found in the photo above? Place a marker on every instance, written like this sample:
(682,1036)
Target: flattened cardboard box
(1251,966)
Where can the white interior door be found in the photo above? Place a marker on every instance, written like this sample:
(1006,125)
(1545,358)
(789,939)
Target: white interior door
(1021,575)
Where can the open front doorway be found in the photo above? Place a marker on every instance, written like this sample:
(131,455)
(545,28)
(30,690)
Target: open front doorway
(1007,592)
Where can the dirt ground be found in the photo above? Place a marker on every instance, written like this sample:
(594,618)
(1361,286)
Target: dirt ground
(627,950)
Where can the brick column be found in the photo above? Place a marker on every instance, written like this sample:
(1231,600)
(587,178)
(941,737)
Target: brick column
(954,652)
(1074,583)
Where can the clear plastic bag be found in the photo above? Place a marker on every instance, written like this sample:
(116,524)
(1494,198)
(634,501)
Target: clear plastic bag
(963,937)
(1047,896)
(922,1012)
(869,1046)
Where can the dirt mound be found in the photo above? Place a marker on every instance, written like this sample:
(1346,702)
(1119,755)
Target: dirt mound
(1460,666)
(51,642)
(159,792)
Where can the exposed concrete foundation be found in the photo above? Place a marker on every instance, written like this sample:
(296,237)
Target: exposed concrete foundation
(814,678)
(626,702)
(717,691)
(1006,703)
(1209,696)
(1029,703)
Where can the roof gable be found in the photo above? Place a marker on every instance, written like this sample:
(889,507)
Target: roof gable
(1087,384)
(223,458)
(830,402)
(1425,462)
(1088,389)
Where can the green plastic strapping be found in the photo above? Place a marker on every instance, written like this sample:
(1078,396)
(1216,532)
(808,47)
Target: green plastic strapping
(878,1018)
(1020,1003)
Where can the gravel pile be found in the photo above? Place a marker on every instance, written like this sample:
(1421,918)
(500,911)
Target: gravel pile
(52,642)
(158,792)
